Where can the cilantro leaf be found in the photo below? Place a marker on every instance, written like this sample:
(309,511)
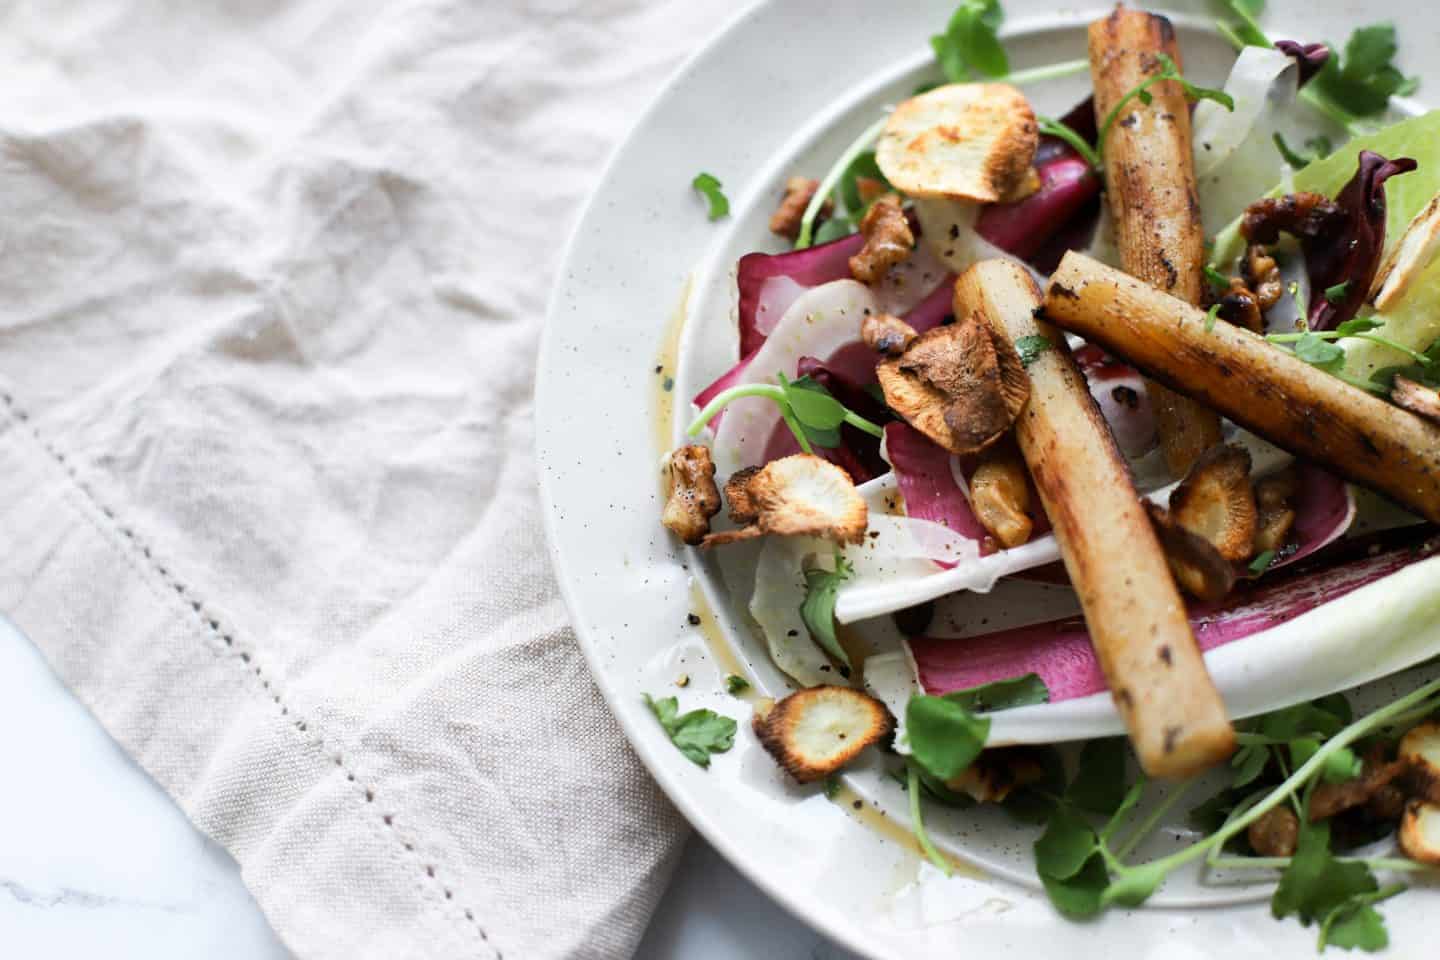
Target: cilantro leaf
(736,684)
(1320,353)
(969,44)
(1315,883)
(818,609)
(1099,786)
(944,737)
(709,187)
(1030,347)
(1357,924)
(1364,79)
(697,734)
(1066,845)
(1022,691)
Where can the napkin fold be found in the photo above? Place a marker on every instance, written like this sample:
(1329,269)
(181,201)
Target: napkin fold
(272,277)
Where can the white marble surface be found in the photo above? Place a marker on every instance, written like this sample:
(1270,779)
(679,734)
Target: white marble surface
(96,861)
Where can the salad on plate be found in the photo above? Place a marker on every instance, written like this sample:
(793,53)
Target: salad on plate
(1173,355)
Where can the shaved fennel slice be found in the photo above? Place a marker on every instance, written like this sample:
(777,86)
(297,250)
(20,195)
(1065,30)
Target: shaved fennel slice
(947,228)
(863,597)
(818,323)
(775,607)
(890,678)
(1312,655)
(1235,155)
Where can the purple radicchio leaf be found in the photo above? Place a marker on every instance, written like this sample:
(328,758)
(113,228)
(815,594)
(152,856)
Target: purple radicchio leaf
(1351,255)
(1310,58)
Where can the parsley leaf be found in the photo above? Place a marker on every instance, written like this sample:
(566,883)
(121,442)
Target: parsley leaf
(818,609)
(736,684)
(1320,353)
(1021,691)
(969,44)
(1356,923)
(1364,79)
(697,734)
(944,737)
(1030,348)
(709,187)
(1099,785)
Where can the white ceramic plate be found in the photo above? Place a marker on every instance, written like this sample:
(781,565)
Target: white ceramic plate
(784,88)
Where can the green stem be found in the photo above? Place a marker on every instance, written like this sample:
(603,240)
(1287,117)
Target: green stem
(1051,71)
(725,397)
(1055,128)
(1396,864)
(1148,825)
(788,416)
(1365,385)
(860,423)
(917,825)
(1418,357)
(1292,783)
(827,186)
(1114,113)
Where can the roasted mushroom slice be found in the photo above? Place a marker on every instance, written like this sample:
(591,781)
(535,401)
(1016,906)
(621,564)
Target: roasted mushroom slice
(888,240)
(960,385)
(1215,501)
(1420,832)
(966,141)
(787,218)
(1417,398)
(799,495)
(693,498)
(816,731)
(1240,306)
(1000,494)
(1274,517)
(996,773)
(887,335)
(1198,567)
(737,495)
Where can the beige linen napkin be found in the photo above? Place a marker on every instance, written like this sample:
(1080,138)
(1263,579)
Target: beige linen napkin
(272,276)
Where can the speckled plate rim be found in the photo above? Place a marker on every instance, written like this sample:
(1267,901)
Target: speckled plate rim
(628,587)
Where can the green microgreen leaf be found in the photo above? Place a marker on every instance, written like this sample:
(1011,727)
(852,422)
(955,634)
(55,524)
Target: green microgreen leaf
(1141,92)
(917,822)
(1132,886)
(1066,845)
(833,229)
(736,684)
(1356,924)
(1031,346)
(709,187)
(1099,784)
(1315,883)
(1262,562)
(1079,897)
(1249,762)
(818,609)
(944,737)
(1210,316)
(865,167)
(696,734)
(1320,353)
(1051,127)
(1217,279)
(832,787)
(969,46)
(1337,293)
(1356,325)
(1022,691)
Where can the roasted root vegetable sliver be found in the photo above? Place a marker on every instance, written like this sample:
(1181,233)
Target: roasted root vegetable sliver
(1141,638)
(815,732)
(800,495)
(1265,389)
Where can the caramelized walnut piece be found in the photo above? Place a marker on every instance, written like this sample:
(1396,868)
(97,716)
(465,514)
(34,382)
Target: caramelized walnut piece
(1330,799)
(1000,494)
(693,498)
(1275,517)
(888,240)
(1417,398)
(1275,834)
(1302,215)
(799,191)
(1262,275)
(1241,307)
(960,385)
(798,495)
(886,334)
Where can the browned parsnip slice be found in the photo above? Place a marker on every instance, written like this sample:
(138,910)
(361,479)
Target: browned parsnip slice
(1150,179)
(814,732)
(1170,706)
(1260,386)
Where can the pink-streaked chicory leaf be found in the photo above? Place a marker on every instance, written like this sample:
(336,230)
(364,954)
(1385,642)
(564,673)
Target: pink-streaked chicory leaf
(1061,654)
(770,282)
(927,482)
(1324,510)
(1067,185)
(1310,58)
